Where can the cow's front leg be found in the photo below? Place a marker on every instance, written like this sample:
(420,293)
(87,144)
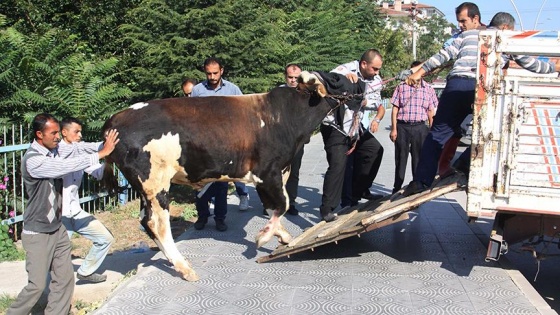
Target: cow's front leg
(273,197)
(157,221)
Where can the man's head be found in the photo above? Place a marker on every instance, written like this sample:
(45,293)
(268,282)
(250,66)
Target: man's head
(71,129)
(291,73)
(503,21)
(370,63)
(213,69)
(187,86)
(46,130)
(468,16)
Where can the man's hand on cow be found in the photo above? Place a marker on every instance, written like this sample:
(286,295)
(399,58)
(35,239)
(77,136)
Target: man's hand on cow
(403,75)
(352,77)
(111,140)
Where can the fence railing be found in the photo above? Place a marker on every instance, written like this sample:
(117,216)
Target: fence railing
(13,144)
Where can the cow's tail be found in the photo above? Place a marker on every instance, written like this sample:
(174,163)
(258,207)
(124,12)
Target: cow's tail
(110,180)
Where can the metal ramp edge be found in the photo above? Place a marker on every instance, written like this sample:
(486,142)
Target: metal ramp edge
(364,218)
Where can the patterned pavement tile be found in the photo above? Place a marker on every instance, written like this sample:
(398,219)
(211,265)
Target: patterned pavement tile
(432,263)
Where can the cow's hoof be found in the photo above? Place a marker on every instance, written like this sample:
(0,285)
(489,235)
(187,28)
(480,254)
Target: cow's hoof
(283,235)
(262,238)
(191,276)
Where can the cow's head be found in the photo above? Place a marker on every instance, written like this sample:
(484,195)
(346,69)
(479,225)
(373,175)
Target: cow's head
(329,83)
(311,82)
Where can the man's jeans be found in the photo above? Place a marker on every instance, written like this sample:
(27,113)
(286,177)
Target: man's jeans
(89,227)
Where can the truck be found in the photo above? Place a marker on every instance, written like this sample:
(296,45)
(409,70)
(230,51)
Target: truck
(515,155)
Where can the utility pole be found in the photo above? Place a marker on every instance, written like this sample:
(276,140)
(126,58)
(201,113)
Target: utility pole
(413,16)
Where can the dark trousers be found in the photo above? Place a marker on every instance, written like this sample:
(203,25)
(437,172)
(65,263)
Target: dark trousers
(454,106)
(218,191)
(367,160)
(410,137)
(293,180)
(44,254)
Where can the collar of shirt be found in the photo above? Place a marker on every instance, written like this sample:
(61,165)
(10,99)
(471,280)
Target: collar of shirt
(208,87)
(43,150)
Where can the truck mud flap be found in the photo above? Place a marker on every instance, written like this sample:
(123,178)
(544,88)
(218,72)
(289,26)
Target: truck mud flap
(364,218)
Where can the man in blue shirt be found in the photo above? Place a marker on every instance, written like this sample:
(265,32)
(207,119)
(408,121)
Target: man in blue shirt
(215,85)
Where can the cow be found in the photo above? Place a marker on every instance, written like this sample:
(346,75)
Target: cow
(189,141)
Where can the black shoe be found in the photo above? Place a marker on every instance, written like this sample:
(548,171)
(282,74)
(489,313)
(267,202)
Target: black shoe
(200,223)
(330,217)
(462,166)
(220,225)
(292,210)
(414,187)
(369,196)
(93,278)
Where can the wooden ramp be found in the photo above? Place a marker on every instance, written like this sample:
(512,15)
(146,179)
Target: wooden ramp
(364,218)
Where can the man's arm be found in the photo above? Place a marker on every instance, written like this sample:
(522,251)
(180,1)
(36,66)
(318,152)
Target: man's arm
(536,65)
(40,166)
(393,134)
(374,125)
(66,150)
(348,71)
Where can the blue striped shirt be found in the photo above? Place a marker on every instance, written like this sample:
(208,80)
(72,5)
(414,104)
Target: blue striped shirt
(464,50)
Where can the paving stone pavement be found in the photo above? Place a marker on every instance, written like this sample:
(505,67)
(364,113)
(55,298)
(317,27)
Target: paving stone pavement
(430,264)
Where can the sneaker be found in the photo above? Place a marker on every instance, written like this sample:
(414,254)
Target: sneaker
(243,202)
(93,278)
(414,187)
(220,225)
(292,210)
(200,223)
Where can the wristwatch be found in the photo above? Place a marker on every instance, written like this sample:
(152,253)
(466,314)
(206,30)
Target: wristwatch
(377,120)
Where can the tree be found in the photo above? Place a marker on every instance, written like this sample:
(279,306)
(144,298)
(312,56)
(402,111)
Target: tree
(51,73)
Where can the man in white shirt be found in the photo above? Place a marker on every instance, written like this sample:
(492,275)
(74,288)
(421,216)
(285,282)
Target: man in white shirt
(74,218)
(339,138)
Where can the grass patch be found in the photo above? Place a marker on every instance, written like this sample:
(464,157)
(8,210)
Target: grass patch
(5,301)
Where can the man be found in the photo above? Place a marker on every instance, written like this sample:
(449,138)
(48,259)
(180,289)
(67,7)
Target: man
(74,218)
(187,86)
(44,238)
(354,71)
(412,107)
(291,74)
(468,18)
(215,85)
(458,97)
(341,136)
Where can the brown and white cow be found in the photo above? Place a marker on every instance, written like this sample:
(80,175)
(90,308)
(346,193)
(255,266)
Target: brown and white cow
(194,141)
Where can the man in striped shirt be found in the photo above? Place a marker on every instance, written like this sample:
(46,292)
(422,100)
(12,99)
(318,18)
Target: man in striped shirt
(44,238)
(457,98)
(412,107)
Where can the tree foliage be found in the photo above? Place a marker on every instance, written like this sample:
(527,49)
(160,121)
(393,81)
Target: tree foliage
(88,57)
(50,73)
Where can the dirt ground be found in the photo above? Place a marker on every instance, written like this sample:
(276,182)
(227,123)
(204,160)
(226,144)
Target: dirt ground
(125,226)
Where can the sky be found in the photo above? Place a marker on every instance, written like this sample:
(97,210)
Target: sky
(528,10)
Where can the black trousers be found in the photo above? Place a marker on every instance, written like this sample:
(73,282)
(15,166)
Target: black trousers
(410,138)
(293,179)
(367,160)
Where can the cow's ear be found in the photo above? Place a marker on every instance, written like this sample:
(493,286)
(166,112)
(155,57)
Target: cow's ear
(311,82)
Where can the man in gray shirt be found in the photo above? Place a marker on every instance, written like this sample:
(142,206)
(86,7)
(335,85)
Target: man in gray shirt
(44,238)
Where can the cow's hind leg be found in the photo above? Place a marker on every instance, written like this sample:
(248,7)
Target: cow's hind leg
(157,221)
(273,197)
